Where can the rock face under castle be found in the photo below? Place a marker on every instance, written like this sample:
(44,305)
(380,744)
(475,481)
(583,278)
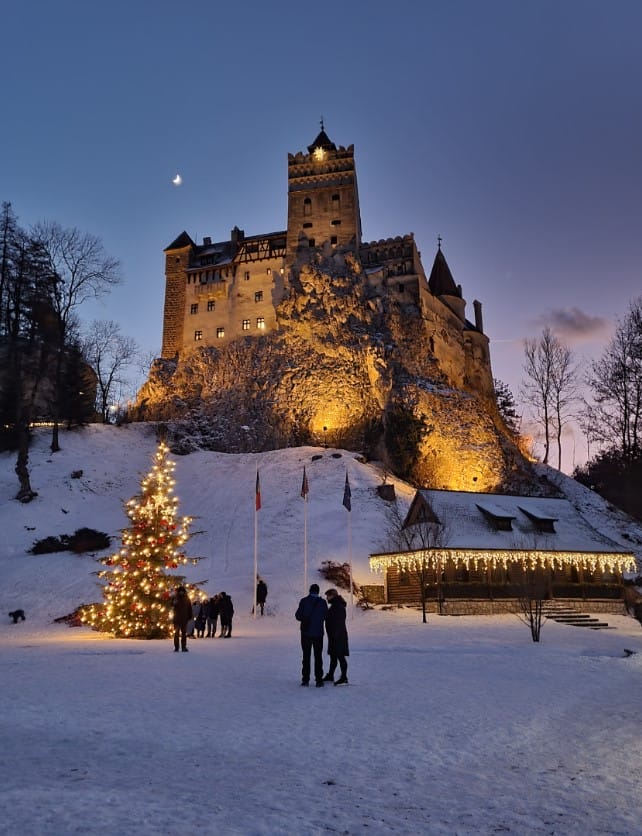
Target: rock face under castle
(312,336)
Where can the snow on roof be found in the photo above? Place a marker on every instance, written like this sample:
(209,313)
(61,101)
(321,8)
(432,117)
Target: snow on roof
(468,528)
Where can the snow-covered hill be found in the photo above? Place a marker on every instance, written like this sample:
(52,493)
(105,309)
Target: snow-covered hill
(216,489)
(462,725)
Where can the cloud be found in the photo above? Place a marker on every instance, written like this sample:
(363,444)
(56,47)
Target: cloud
(574,324)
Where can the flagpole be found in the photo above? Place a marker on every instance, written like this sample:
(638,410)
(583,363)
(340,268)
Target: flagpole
(256,560)
(347,504)
(257,505)
(350,562)
(305,544)
(305,490)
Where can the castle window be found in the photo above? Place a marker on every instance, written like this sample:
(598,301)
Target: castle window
(260,323)
(246,275)
(193,308)
(198,335)
(246,324)
(220,333)
(336,222)
(333,240)
(307,225)
(269,271)
(311,242)
(258,296)
(307,206)
(202,277)
(336,202)
(211,304)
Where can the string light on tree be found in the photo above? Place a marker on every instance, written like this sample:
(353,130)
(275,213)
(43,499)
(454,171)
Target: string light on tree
(138,588)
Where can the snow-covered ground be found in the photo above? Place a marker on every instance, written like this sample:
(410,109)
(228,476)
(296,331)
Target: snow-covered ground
(459,726)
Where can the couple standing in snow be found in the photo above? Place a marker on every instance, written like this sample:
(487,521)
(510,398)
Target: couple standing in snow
(314,614)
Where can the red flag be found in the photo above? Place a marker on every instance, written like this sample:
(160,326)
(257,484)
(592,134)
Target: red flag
(258,492)
(305,488)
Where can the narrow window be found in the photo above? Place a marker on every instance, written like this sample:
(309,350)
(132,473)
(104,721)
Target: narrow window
(246,324)
(333,240)
(258,296)
(194,308)
(246,275)
(260,323)
(307,206)
(198,335)
(211,304)
(220,333)
(336,222)
(311,242)
(269,271)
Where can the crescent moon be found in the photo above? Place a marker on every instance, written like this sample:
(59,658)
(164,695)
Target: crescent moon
(177,180)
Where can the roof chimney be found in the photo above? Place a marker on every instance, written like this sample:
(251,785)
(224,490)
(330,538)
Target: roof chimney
(479,323)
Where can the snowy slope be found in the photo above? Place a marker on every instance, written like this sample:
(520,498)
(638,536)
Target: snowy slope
(459,726)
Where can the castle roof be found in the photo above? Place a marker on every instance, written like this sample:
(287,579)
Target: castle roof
(183,240)
(441,282)
(322,141)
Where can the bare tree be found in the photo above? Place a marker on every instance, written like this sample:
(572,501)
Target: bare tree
(79,270)
(421,538)
(531,601)
(564,391)
(550,387)
(616,382)
(110,354)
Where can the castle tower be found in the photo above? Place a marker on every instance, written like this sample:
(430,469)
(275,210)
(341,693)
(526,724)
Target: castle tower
(323,201)
(177,260)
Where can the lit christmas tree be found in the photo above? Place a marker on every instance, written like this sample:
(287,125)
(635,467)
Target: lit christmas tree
(138,592)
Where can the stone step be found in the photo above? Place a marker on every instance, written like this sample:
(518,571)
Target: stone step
(581,620)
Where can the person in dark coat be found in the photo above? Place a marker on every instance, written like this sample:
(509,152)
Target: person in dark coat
(261,594)
(182,615)
(212,616)
(335,627)
(201,616)
(311,613)
(225,611)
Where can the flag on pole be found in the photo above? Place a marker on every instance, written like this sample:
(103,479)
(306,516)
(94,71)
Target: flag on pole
(347,495)
(305,488)
(258,492)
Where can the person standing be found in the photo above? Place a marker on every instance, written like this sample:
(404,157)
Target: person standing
(335,627)
(311,612)
(226,612)
(212,616)
(200,620)
(182,615)
(261,594)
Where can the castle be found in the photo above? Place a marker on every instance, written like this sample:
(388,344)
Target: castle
(218,292)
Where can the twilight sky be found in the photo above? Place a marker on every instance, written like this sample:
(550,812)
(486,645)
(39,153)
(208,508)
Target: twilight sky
(511,129)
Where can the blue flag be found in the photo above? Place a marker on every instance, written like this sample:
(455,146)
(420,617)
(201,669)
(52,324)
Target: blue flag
(347,495)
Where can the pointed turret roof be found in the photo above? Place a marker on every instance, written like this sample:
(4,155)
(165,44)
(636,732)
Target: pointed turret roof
(183,240)
(441,281)
(322,141)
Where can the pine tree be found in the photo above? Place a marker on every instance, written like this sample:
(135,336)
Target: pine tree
(138,592)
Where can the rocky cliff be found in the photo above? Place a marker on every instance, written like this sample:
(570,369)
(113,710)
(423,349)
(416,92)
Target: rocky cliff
(346,368)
